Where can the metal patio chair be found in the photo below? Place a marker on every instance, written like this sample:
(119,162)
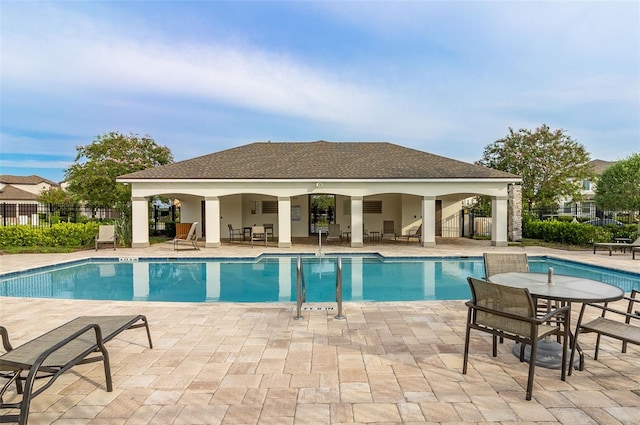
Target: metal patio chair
(510,313)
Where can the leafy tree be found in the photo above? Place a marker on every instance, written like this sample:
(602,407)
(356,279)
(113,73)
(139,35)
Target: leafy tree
(92,178)
(552,165)
(55,195)
(618,188)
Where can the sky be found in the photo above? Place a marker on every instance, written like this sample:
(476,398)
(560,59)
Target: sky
(445,77)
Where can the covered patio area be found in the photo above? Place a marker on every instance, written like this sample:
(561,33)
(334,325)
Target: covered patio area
(366,188)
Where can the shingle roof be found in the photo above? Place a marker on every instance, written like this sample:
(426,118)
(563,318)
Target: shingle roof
(32,179)
(319,160)
(11,193)
(600,165)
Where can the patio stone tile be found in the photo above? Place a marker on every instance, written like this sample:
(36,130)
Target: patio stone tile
(589,399)
(613,415)
(228,396)
(312,414)
(572,416)
(82,412)
(436,412)
(243,414)
(531,411)
(161,397)
(200,415)
(341,413)
(278,380)
(376,412)
(494,408)
(300,380)
(468,412)
(355,392)
(386,363)
(410,412)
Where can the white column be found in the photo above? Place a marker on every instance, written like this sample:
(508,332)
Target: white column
(284,222)
(356,221)
(499,218)
(212,218)
(139,222)
(429,221)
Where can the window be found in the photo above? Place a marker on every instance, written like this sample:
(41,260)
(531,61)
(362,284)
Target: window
(586,184)
(269,207)
(372,207)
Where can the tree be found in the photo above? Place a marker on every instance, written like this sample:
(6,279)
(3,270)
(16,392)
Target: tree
(92,178)
(54,195)
(552,165)
(618,188)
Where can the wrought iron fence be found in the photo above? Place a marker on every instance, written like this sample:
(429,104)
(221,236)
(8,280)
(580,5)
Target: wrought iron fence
(42,215)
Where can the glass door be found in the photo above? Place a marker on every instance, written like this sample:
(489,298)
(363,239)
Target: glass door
(321,213)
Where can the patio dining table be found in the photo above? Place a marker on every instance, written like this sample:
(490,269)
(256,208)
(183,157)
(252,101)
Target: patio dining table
(563,289)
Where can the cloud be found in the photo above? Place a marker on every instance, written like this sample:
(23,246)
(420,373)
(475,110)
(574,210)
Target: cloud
(447,77)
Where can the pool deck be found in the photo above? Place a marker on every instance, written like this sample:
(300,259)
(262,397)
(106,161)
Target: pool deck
(386,363)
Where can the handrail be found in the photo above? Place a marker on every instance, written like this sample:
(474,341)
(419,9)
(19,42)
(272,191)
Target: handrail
(339,289)
(301,289)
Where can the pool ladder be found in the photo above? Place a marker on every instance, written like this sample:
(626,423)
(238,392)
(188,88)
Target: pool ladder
(301,289)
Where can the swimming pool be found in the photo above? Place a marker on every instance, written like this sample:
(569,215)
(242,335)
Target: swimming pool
(272,278)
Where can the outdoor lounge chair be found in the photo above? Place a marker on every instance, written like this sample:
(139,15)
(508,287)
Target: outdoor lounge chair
(235,233)
(334,234)
(388,230)
(616,245)
(413,234)
(621,328)
(268,228)
(508,312)
(106,235)
(190,238)
(258,233)
(53,353)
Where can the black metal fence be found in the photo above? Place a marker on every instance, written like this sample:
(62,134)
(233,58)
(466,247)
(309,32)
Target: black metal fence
(41,215)
(584,215)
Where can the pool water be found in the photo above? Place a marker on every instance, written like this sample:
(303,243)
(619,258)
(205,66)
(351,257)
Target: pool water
(273,279)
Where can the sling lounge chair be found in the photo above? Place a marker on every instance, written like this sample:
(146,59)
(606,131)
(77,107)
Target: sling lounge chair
(388,230)
(106,235)
(190,238)
(235,233)
(334,235)
(258,233)
(616,245)
(48,356)
(413,234)
(509,312)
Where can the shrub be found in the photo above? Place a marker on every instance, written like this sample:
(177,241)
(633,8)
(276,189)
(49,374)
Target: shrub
(564,232)
(58,235)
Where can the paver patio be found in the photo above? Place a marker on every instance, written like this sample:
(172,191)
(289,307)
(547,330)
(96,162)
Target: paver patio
(387,363)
